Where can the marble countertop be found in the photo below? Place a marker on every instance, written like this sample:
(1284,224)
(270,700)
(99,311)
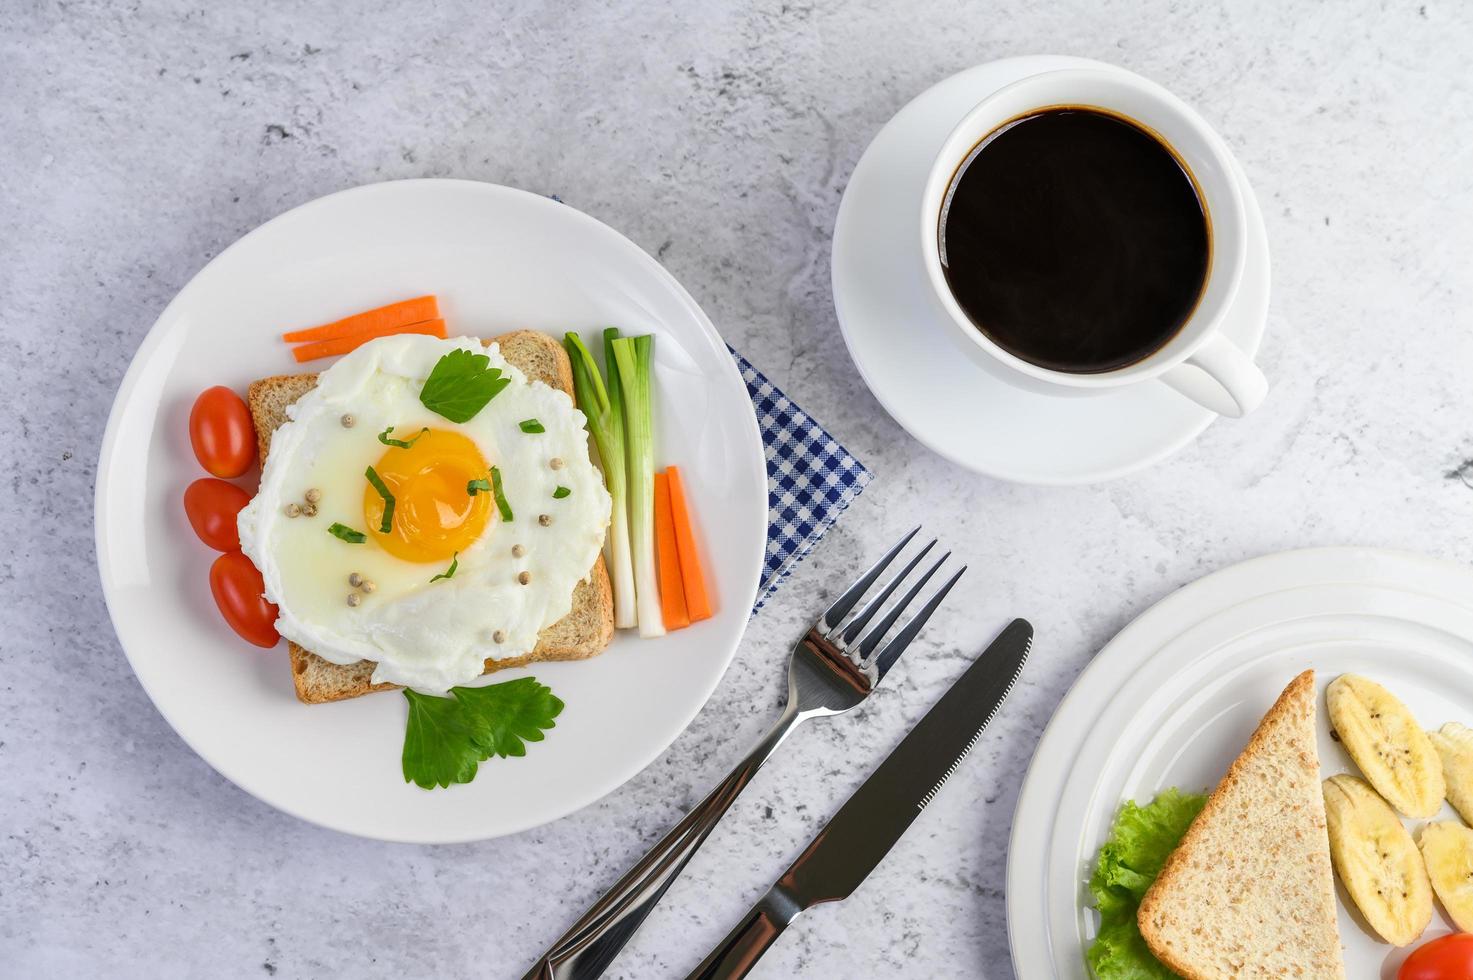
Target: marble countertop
(142,139)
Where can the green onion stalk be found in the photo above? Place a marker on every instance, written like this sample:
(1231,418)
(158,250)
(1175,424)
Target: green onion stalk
(633,356)
(606,423)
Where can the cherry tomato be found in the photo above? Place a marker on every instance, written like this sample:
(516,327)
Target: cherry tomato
(1447,958)
(221,432)
(211,506)
(237,587)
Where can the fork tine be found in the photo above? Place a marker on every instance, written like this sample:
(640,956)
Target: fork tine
(873,637)
(873,606)
(835,614)
(896,647)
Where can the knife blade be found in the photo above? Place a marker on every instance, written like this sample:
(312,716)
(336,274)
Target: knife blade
(868,825)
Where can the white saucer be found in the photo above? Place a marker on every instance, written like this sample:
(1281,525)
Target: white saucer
(920,374)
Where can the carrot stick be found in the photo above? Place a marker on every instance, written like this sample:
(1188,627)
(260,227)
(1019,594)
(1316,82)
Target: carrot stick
(697,599)
(341,345)
(672,588)
(416,310)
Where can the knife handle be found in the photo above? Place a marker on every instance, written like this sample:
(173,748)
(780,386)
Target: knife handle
(740,951)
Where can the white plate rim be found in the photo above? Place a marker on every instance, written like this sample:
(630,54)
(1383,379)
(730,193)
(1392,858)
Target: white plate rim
(158,333)
(1250,337)
(1036,825)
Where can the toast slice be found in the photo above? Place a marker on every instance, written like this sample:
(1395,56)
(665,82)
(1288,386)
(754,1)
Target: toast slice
(1248,892)
(585,631)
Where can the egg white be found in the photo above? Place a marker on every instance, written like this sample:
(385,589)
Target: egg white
(422,634)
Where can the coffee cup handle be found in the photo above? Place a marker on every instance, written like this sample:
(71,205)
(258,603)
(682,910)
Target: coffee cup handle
(1220,377)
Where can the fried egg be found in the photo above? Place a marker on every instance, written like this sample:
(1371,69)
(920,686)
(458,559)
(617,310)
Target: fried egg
(450,583)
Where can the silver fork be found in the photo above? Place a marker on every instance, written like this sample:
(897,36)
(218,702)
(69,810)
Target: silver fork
(833,668)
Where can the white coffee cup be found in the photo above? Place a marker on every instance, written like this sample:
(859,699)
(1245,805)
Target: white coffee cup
(1200,362)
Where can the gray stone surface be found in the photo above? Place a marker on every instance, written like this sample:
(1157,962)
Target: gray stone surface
(141,139)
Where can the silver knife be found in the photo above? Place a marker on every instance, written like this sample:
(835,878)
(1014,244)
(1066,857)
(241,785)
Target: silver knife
(880,811)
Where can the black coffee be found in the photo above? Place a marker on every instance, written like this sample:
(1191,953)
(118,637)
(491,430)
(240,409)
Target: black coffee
(1075,240)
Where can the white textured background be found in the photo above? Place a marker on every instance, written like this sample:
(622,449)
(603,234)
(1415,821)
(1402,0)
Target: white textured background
(138,140)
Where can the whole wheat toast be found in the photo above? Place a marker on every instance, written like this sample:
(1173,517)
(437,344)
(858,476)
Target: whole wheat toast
(1249,892)
(585,631)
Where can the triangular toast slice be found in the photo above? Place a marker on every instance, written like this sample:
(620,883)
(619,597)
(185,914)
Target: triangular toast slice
(585,631)
(1249,891)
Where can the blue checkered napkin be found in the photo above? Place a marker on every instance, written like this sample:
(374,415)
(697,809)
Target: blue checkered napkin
(811,478)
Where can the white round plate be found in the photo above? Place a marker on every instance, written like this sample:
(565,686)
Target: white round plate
(1172,700)
(918,370)
(499,259)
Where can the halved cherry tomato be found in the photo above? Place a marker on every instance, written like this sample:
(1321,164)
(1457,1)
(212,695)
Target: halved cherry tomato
(211,506)
(237,587)
(221,433)
(1447,958)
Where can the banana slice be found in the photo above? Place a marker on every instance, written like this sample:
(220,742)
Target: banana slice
(1387,744)
(1447,848)
(1377,860)
(1454,744)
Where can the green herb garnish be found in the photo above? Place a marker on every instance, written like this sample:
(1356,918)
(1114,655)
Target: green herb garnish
(386,523)
(461,384)
(560,493)
(446,739)
(501,503)
(531,425)
(511,713)
(477,486)
(1139,843)
(383,437)
(439,745)
(449,572)
(345,533)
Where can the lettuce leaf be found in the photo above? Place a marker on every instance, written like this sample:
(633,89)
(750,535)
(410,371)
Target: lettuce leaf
(1139,843)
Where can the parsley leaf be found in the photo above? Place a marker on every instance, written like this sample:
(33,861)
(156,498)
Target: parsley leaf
(439,744)
(461,384)
(386,523)
(501,503)
(446,739)
(345,533)
(560,493)
(477,486)
(531,425)
(449,572)
(383,437)
(508,715)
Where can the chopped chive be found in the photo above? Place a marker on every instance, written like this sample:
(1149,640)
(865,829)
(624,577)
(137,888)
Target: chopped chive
(532,425)
(345,533)
(449,572)
(560,493)
(477,486)
(383,437)
(387,523)
(501,503)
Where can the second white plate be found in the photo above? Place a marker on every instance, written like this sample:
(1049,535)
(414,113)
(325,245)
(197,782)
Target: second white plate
(1174,697)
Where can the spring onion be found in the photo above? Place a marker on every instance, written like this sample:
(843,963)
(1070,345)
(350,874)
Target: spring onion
(606,423)
(633,355)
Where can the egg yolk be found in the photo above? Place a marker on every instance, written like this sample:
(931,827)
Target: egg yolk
(434,515)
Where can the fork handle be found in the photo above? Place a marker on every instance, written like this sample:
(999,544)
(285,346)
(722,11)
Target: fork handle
(587,949)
